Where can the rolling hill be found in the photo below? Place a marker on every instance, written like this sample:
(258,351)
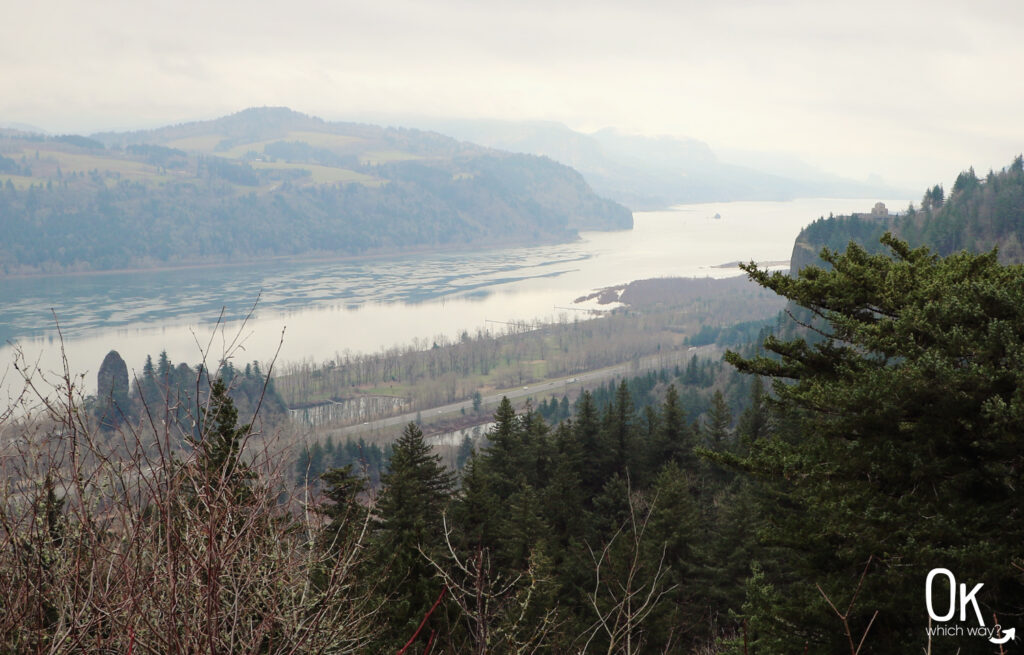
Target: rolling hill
(271,182)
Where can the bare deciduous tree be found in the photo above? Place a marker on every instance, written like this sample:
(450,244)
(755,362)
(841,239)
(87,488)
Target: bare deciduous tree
(495,608)
(628,585)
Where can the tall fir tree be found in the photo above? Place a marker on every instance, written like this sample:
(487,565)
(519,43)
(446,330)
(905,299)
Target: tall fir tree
(588,452)
(674,440)
(619,427)
(717,422)
(409,529)
(505,457)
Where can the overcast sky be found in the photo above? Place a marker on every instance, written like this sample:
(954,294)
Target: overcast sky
(911,91)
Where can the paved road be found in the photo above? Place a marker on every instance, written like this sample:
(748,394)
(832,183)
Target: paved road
(544,389)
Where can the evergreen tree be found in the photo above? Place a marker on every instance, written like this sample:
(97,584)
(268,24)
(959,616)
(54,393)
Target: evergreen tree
(476,511)
(464,452)
(221,443)
(522,528)
(588,452)
(900,444)
(163,367)
(147,390)
(563,495)
(346,515)
(617,433)
(673,534)
(409,525)
(754,421)
(505,456)
(674,440)
(535,447)
(717,422)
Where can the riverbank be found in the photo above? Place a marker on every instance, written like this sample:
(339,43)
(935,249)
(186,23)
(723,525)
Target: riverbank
(669,291)
(456,380)
(377,255)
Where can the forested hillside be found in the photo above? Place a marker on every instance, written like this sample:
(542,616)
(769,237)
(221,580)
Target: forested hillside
(271,182)
(977,215)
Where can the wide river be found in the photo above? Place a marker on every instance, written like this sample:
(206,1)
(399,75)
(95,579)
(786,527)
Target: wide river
(326,307)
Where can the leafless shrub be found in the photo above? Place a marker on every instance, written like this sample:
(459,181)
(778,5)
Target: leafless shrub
(844,617)
(131,542)
(495,608)
(628,584)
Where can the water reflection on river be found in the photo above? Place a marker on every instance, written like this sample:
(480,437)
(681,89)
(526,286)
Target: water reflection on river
(327,307)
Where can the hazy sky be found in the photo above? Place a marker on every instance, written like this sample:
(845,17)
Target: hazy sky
(912,91)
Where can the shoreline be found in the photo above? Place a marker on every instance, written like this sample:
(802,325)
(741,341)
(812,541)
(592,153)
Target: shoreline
(297,259)
(650,291)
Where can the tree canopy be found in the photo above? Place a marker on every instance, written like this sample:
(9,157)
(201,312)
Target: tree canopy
(900,446)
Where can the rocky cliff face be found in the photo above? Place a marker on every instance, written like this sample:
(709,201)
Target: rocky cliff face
(836,232)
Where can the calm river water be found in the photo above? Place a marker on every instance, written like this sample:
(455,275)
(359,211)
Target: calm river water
(328,307)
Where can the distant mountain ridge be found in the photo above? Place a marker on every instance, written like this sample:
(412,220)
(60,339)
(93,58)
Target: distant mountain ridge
(269,182)
(257,125)
(979,214)
(654,172)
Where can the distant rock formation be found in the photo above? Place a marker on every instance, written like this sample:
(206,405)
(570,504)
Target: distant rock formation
(112,390)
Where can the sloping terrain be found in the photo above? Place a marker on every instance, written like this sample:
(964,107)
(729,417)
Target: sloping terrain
(645,172)
(273,182)
(979,214)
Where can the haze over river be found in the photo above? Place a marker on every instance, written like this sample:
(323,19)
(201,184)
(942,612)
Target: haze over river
(328,307)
